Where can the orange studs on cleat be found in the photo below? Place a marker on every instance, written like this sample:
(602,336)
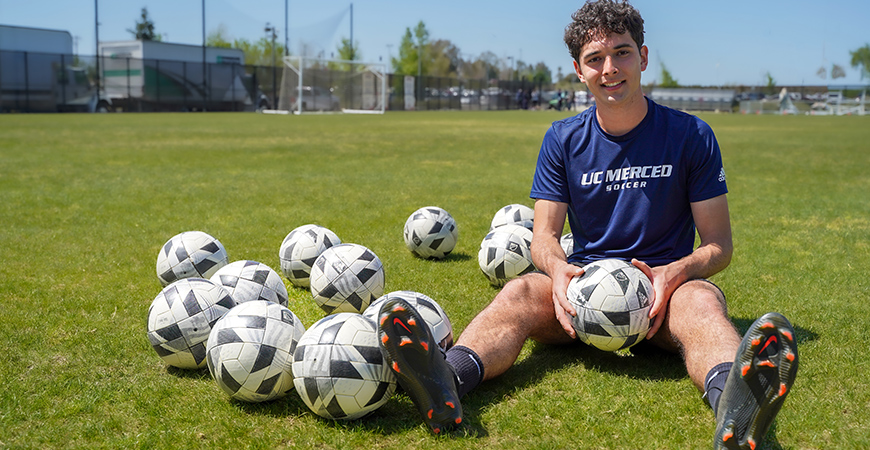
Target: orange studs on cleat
(384,339)
(788,335)
(790,356)
(424,345)
(450,404)
(751,443)
(756,342)
(396,367)
(782,389)
(727,436)
(767,325)
(436,430)
(405,341)
(412,322)
(383,319)
(746,369)
(429,413)
(398,308)
(458,420)
(767,364)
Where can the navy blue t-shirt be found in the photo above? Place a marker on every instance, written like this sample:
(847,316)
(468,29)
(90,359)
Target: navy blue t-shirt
(629,196)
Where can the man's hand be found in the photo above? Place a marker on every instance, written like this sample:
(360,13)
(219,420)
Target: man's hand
(665,281)
(561,305)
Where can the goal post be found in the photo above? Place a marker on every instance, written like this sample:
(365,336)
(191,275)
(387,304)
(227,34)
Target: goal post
(310,85)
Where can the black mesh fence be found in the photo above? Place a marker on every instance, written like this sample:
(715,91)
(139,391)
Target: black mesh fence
(42,82)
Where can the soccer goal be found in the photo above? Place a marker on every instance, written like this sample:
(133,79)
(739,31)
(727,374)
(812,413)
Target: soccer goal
(316,85)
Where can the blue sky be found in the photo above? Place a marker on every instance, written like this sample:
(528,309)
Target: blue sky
(700,42)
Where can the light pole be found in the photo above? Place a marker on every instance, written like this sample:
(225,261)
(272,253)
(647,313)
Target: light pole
(271,29)
(286,30)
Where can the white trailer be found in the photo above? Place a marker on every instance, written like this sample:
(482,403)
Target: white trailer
(39,73)
(159,76)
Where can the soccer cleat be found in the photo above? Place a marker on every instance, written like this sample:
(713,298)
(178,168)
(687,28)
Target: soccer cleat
(418,361)
(760,379)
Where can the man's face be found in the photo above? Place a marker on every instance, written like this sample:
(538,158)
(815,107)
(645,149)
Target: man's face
(610,67)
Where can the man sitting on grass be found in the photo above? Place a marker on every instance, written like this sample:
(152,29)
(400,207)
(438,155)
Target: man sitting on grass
(592,169)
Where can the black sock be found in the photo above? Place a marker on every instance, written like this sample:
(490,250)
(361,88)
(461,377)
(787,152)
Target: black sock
(467,366)
(715,383)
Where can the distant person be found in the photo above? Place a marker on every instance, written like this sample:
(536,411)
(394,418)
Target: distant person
(597,169)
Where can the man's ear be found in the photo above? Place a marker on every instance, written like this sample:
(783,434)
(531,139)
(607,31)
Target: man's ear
(578,72)
(644,57)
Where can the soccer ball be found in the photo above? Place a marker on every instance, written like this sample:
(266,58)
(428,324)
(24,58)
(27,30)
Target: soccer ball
(250,351)
(431,311)
(612,299)
(567,243)
(431,232)
(301,248)
(505,253)
(250,280)
(190,254)
(513,214)
(181,317)
(338,369)
(346,278)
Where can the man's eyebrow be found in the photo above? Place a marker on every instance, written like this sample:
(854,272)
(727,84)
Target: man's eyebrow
(596,52)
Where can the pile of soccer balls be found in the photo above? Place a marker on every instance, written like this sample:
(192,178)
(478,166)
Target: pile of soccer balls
(234,319)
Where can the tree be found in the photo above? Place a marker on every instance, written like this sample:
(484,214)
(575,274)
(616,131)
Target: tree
(219,37)
(411,51)
(348,51)
(861,60)
(770,84)
(668,81)
(144,30)
(259,53)
(443,58)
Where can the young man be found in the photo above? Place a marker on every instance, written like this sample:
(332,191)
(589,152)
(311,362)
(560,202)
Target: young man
(636,181)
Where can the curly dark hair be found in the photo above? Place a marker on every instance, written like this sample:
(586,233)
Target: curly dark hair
(597,19)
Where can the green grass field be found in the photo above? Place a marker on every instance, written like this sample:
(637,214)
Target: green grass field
(86,201)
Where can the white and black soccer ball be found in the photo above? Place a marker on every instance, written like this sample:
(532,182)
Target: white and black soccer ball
(190,254)
(300,249)
(346,278)
(567,243)
(338,368)
(250,351)
(612,299)
(251,280)
(428,308)
(431,232)
(516,214)
(181,317)
(505,253)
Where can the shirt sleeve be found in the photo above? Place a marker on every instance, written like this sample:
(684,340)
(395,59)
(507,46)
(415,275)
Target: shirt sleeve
(707,176)
(550,181)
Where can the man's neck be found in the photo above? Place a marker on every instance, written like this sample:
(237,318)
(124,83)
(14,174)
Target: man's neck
(621,119)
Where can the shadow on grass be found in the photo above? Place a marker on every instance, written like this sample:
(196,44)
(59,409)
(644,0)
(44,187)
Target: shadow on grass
(190,374)
(802,335)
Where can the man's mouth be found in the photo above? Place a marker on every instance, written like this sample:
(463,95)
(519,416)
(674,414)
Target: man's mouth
(613,84)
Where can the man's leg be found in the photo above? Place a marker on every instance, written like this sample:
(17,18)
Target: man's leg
(753,375)
(522,310)
(697,325)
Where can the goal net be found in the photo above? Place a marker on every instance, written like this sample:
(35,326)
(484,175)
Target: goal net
(311,85)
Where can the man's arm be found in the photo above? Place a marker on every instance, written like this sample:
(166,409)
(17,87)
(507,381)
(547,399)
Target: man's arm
(712,255)
(550,258)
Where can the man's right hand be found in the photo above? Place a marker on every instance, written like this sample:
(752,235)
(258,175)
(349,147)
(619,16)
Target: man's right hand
(563,309)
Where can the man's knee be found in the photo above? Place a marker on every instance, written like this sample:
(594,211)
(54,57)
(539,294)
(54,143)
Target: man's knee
(699,293)
(526,292)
